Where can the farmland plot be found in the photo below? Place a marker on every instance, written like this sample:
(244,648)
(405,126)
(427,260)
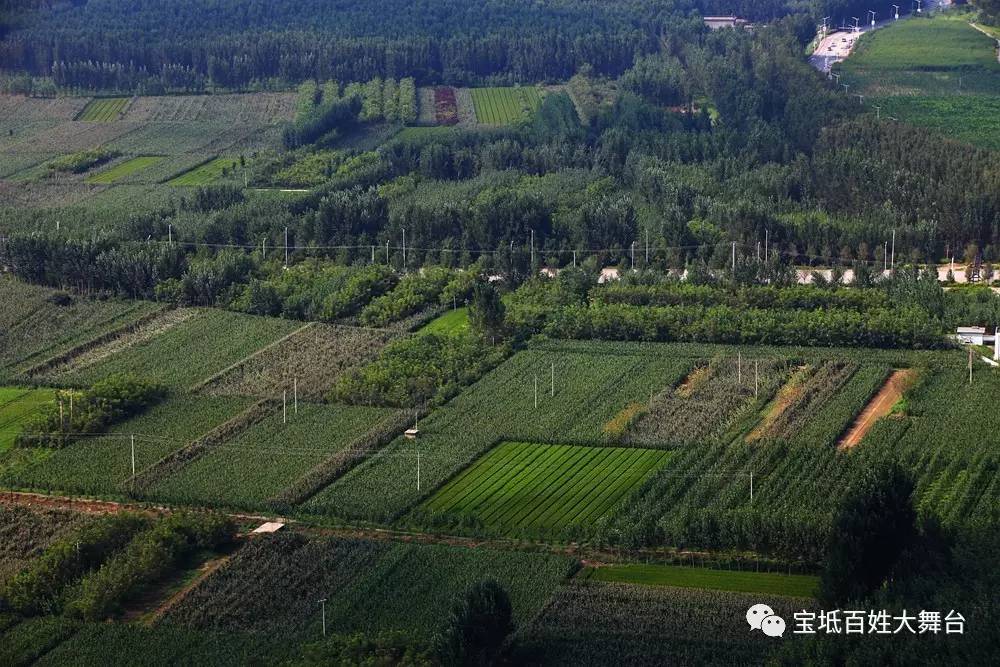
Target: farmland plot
(600,624)
(103,110)
(242,109)
(100,465)
(124,169)
(588,390)
(25,533)
(207,172)
(260,462)
(369,586)
(710,402)
(16,407)
(767,583)
(525,488)
(72,137)
(35,325)
(191,351)
(313,358)
(501,106)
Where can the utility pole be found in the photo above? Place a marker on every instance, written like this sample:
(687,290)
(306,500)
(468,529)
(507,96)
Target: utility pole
(373,254)
(133,457)
(970,365)
(873,17)
(647,246)
(286,247)
(170,234)
(734,256)
(633,255)
(263,249)
(896,15)
(418,470)
(885,256)
(878,112)
(756,378)
(552,391)
(536,392)
(295,395)
(284,406)
(766,234)
(574,259)
(751,487)
(404,248)
(893,262)
(532,267)
(739,367)
(323,603)
(387,252)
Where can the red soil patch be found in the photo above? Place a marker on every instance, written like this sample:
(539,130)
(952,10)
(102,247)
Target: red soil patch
(445,106)
(890,393)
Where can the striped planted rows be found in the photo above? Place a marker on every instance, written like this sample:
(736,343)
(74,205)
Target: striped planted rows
(103,110)
(499,106)
(520,487)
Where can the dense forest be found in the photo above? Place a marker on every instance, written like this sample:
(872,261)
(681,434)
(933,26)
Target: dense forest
(193,45)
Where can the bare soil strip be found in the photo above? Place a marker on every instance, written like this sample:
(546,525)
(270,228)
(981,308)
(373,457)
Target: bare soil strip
(890,393)
(695,379)
(787,396)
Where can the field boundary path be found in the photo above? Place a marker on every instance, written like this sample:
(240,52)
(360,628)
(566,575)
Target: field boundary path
(890,393)
(988,34)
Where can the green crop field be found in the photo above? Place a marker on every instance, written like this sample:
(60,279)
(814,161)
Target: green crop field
(124,169)
(767,583)
(502,106)
(17,406)
(452,322)
(100,465)
(193,350)
(205,173)
(259,463)
(103,110)
(578,392)
(525,487)
(940,73)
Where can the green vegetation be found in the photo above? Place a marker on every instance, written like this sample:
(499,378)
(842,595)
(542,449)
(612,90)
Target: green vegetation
(102,465)
(81,413)
(523,488)
(455,321)
(77,163)
(260,462)
(193,350)
(17,407)
(501,106)
(207,172)
(766,583)
(124,169)
(103,110)
(600,624)
(26,532)
(37,323)
(940,73)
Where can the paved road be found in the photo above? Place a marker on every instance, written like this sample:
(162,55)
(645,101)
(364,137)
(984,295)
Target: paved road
(836,46)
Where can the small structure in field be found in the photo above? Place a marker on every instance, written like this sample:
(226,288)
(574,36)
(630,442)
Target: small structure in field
(983,336)
(412,433)
(608,274)
(720,22)
(269,527)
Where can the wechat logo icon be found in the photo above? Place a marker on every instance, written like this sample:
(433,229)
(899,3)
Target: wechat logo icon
(761,617)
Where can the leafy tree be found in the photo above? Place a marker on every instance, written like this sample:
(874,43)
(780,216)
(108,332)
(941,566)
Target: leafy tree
(479,624)
(875,524)
(486,312)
